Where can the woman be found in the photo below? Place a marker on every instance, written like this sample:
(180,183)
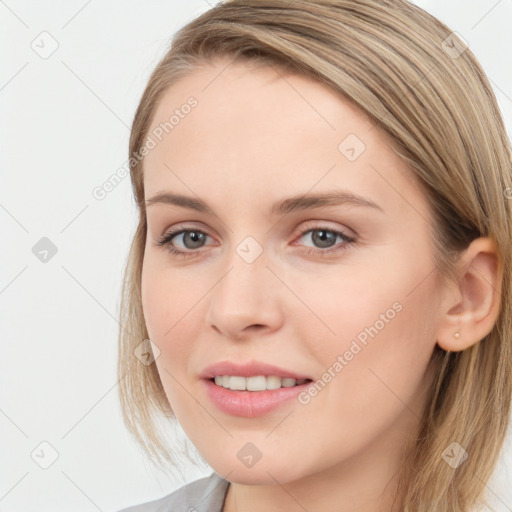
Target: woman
(322,261)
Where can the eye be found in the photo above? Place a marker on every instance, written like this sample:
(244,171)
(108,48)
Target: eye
(191,238)
(325,239)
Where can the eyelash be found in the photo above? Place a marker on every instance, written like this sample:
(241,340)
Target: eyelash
(165,241)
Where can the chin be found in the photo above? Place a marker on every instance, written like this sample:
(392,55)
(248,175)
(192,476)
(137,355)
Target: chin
(261,473)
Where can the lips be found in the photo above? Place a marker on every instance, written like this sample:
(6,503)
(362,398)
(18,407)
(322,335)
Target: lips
(250,404)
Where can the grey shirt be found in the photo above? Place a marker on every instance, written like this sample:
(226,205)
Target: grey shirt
(204,495)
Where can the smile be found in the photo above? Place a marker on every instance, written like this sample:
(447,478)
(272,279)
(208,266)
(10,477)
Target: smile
(247,403)
(257,383)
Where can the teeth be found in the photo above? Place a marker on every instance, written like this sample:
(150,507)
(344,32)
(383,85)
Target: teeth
(237,383)
(253,383)
(273,382)
(258,383)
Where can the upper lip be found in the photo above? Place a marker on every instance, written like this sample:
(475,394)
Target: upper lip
(250,369)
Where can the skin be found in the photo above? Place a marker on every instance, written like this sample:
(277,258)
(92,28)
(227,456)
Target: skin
(258,136)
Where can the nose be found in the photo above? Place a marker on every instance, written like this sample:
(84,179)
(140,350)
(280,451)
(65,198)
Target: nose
(246,301)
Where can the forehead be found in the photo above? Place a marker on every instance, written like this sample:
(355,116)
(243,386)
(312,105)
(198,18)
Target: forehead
(255,96)
(255,128)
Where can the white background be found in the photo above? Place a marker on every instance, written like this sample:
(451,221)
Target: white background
(64,130)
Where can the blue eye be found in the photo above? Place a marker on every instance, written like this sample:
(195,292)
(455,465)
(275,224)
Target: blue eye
(194,239)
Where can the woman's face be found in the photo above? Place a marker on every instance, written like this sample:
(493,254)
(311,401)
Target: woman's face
(266,278)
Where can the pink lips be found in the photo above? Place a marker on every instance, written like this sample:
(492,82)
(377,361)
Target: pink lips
(249,404)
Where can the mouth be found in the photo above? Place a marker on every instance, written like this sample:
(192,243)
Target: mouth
(256,383)
(253,388)
(251,397)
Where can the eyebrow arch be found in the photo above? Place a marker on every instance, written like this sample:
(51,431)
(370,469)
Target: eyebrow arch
(284,206)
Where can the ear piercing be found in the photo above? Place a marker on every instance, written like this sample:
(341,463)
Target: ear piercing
(457,335)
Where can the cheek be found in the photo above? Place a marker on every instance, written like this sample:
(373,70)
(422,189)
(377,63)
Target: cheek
(387,293)
(372,375)
(167,297)
(154,302)
(378,330)
(173,304)
(170,323)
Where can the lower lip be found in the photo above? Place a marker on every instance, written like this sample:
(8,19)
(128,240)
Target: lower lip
(250,404)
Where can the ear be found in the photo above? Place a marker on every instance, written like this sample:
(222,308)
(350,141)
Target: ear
(471,306)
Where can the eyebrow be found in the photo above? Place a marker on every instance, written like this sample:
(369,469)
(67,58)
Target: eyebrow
(284,206)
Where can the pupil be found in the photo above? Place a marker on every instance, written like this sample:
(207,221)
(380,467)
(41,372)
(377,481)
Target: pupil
(322,238)
(196,238)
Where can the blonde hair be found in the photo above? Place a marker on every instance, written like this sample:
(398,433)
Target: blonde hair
(412,76)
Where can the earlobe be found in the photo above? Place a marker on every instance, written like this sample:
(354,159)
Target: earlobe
(473,302)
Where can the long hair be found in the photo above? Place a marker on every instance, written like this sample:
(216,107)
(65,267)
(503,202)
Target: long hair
(416,79)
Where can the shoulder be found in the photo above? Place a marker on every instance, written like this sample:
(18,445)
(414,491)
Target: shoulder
(203,495)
